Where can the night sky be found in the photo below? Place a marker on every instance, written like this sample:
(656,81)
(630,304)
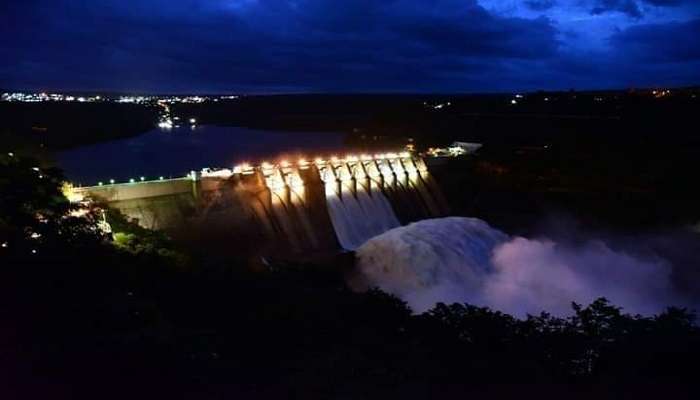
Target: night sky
(267,46)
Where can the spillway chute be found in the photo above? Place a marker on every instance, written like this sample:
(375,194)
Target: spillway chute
(306,204)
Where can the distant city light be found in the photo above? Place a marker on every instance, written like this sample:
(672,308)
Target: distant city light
(111,181)
(143,178)
(163,101)
(132,180)
(165,124)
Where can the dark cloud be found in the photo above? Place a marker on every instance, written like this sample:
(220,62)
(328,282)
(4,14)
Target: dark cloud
(307,44)
(303,45)
(645,55)
(668,3)
(660,43)
(540,5)
(632,8)
(629,7)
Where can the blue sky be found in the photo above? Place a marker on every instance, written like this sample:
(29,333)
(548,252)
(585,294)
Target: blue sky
(265,46)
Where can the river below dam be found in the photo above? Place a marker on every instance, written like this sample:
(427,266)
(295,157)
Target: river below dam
(174,152)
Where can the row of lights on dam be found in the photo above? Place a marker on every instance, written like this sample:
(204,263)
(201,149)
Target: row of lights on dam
(319,161)
(266,165)
(132,180)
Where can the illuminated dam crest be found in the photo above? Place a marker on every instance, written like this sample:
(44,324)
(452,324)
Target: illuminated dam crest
(303,205)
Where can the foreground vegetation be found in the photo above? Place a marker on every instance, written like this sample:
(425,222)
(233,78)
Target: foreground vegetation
(130,315)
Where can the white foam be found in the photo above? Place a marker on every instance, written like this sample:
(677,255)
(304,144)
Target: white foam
(466,260)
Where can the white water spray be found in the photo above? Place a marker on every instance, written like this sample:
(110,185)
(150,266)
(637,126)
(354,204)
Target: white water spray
(465,260)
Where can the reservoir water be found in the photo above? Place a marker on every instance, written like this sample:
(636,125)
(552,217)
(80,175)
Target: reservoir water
(174,152)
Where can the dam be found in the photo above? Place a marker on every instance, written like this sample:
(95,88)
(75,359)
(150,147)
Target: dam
(306,205)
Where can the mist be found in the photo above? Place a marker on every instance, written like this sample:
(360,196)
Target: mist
(465,260)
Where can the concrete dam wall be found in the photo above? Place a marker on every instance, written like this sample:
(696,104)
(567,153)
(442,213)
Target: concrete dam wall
(297,207)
